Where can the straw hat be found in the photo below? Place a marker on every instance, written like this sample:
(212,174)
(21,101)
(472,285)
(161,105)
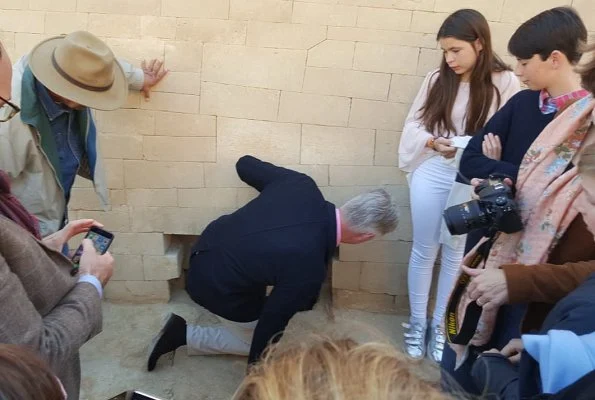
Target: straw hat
(81,68)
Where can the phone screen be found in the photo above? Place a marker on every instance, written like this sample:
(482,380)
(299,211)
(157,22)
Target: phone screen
(101,241)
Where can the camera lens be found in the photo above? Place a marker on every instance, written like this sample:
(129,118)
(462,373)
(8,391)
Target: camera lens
(462,218)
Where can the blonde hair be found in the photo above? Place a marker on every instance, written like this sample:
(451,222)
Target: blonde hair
(587,70)
(586,169)
(321,368)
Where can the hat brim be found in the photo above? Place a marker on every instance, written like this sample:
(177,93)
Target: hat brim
(40,61)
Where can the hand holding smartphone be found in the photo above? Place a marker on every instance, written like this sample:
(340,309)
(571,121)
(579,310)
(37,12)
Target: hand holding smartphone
(101,239)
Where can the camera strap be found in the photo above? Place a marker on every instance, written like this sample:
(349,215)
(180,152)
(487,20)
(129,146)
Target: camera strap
(473,310)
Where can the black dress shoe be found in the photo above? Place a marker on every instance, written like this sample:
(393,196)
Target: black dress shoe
(171,336)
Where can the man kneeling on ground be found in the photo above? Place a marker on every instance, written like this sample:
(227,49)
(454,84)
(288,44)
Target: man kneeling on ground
(284,238)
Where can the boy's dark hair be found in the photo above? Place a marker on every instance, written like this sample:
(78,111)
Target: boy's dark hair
(560,28)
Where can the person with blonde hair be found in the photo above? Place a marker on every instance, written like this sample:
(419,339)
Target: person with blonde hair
(323,368)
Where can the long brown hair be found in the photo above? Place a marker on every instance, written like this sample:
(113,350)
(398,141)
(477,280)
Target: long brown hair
(24,376)
(467,25)
(587,70)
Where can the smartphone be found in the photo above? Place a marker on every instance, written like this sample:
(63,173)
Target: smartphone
(101,239)
(134,395)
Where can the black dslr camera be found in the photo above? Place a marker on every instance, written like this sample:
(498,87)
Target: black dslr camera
(495,210)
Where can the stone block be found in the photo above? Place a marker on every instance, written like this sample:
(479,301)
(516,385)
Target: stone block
(176,124)
(59,23)
(134,7)
(491,9)
(262,10)
(337,146)
(365,176)
(117,198)
(137,292)
(163,175)
(207,197)
(404,231)
(385,58)
(21,5)
(386,148)
(128,267)
(22,21)
(25,42)
(381,251)
(377,114)
(427,22)
(222,175)
(346,275)
(324,14)
(51,5)
(257,67)
(114,221)
(429,60)
(115,25)
(182,103)
(382,18)
(215,9)
(384,278)
(180,82)
(284,36)
(84,199)
(158,27)
(125,147)
(586,9)
(245,195)
(166,267)
(314,109)
(373,302)
(427,5)
(183,56)
(140,243)
(173,220)
(514,11)
(169,148)
(332,54)
(211,31)
(404,88)
(137,50)
(114,171)
(381,36)
(126,121)
(152,197)
(339,195)
(348,83)
(501,33)
(239,101)
(271,141)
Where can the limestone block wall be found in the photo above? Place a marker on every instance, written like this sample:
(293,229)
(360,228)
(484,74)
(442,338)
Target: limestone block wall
(322,86)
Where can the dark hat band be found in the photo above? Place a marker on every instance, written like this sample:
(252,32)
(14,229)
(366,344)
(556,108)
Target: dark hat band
(70,79)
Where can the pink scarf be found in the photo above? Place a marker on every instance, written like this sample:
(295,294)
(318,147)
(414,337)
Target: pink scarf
(545,195)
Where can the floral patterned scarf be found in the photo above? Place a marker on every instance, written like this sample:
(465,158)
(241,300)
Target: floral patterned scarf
(546,191)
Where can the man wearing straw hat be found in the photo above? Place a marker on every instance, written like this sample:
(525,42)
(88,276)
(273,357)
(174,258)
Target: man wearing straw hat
(55,138)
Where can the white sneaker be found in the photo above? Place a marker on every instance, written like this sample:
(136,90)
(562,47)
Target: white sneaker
(436,344)
(415,340)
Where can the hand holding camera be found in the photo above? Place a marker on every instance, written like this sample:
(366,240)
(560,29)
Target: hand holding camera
(493,208)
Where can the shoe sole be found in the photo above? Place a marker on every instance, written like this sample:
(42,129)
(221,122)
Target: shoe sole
(167,321)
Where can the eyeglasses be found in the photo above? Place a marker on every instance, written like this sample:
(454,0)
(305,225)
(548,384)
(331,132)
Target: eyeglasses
(8,111)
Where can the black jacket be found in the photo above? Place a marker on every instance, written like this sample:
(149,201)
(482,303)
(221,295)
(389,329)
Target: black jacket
(284,238)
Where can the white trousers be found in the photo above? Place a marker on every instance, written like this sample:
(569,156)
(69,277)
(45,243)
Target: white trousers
(430,185)
(229,338)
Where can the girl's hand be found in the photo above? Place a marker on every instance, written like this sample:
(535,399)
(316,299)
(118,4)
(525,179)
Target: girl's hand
(444,147)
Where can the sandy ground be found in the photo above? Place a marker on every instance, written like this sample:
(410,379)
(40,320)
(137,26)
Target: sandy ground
(115,360)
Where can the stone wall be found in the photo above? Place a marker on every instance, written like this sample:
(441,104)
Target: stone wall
(321,86)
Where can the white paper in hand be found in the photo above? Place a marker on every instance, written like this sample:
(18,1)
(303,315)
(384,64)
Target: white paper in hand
(460,141)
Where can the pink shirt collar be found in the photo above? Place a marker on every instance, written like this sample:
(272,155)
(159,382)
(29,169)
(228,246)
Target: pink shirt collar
(338,214)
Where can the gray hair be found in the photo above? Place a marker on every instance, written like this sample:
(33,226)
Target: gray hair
(371,212)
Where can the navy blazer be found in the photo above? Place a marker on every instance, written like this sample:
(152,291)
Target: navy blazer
(284,238)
